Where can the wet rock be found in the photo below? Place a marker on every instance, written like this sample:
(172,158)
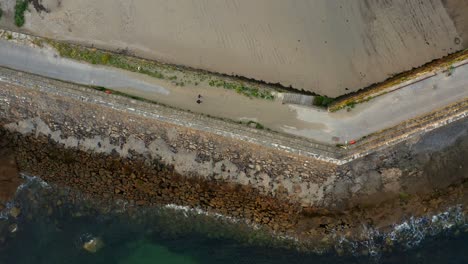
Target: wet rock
(9,175)
(15,212)
(13,228)
(93,245)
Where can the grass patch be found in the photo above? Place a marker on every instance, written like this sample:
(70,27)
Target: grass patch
(95,56)
(351,104)
(20,7)
(153,69)
(105,58)
(449,71)
(242,89)
(38,42)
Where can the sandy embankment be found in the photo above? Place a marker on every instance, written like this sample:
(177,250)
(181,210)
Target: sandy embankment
(328,47)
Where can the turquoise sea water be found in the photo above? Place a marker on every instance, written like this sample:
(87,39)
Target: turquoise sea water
(53,229)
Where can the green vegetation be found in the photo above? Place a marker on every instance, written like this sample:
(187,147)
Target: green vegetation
(105,58)
(255,125)
(379,89)
(242,89)
(94,56)
(155,69)
(323,101)
(38,42)
(20,7)
(450,70)
(9,36)
(351,104)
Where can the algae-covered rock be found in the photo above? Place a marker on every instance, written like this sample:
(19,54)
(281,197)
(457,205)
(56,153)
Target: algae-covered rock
(93,245)
(15,212)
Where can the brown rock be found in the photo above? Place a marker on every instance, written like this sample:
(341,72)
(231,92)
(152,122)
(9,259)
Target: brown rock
(9,176)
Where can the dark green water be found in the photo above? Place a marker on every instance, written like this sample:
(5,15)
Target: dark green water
(52,229)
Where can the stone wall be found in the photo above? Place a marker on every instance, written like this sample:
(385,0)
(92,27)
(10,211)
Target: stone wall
(103,130)
(86,140)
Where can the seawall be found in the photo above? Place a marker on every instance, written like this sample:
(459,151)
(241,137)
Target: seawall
(114,147)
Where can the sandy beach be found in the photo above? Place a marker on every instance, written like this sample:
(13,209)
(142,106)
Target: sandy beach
(328,47)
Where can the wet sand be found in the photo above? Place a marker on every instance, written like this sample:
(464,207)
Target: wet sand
(328,47)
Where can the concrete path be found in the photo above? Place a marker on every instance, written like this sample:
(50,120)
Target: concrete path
(47,63)
(379,113)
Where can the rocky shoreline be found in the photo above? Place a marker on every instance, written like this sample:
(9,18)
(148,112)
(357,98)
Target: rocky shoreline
(143,183)
(112,149)
(110,179)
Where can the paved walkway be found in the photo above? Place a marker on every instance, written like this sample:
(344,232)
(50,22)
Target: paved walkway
(379,113)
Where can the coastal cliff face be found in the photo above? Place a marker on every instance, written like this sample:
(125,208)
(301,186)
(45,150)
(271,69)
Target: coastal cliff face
(112,149)
(327,47)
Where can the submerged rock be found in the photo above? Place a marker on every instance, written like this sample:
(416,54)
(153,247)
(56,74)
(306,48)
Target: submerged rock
(93,245)
(13,228)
